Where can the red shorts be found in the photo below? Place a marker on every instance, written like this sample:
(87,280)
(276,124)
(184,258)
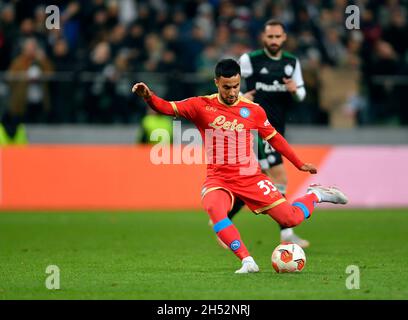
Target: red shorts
(257,191)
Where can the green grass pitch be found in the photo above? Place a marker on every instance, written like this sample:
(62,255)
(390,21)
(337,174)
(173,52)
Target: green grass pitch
(174,255)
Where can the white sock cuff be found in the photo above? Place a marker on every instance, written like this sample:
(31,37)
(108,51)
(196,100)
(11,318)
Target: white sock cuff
(287,232)
(316,194)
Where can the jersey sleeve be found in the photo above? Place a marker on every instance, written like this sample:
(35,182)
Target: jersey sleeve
(186,108)
(298,78)
(265,129)
(246,66)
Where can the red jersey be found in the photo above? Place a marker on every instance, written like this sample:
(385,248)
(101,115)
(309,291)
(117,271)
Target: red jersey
(232,164)
(226,131)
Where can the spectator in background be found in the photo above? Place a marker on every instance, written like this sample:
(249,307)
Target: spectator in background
(170,36)
(153,52)
(205,21)
(27,31)
(341,102)
(118,82)
(155,121)
(117,39)
(226,12)
(154,31)
(30,97)
(169,67)
(70,20)
(29,91)
(97,104)
(183,24)
(63,90)
(222,37)
(39,20)
(385,62)
(397,32)
(127,12)
(8,35)
(334,48)
(134,42)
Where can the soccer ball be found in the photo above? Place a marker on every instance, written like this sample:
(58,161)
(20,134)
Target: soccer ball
(288,257)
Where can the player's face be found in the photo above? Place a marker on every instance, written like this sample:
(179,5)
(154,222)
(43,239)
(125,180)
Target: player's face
(228,88)
(273,38)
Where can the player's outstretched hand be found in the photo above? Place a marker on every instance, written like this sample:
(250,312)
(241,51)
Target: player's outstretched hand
(142,90)
(250,95)
(308,167)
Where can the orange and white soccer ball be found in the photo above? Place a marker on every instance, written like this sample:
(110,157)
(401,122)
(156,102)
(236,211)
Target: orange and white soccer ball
(288,258)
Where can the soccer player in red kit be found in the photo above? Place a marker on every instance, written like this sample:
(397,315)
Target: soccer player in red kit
(232,169)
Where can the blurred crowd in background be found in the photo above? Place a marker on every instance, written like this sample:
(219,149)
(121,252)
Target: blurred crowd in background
(83,72)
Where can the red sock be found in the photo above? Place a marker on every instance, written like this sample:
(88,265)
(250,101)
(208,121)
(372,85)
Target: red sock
(306,204)
(231,237)
(217,204)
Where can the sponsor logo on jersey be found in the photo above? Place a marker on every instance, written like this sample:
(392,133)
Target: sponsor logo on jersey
(221,123)
(235,245)
(267,123)
(288,69)
(264,71)
(210,108)
(275,87)
(244,112)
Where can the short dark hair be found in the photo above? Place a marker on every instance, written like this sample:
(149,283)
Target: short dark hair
(227,68)
(274,22)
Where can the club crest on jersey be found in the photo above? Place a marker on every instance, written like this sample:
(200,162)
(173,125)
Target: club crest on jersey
(244,112)
(288,70)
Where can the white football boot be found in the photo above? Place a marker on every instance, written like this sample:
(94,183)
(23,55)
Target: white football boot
(248,266)
(328,194)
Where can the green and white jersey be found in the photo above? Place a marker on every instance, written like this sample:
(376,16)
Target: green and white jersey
(265,74)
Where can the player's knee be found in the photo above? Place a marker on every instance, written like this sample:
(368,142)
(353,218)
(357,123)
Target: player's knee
(291,220)
(210,207)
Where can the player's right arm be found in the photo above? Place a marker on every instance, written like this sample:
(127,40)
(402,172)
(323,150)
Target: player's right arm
(184,108)
(279,143)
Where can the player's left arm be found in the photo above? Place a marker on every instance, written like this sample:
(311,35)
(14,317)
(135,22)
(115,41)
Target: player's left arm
(279,143)
(295,84)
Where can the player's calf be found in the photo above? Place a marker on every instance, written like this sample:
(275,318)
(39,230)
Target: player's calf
(217,203)
(291,215)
